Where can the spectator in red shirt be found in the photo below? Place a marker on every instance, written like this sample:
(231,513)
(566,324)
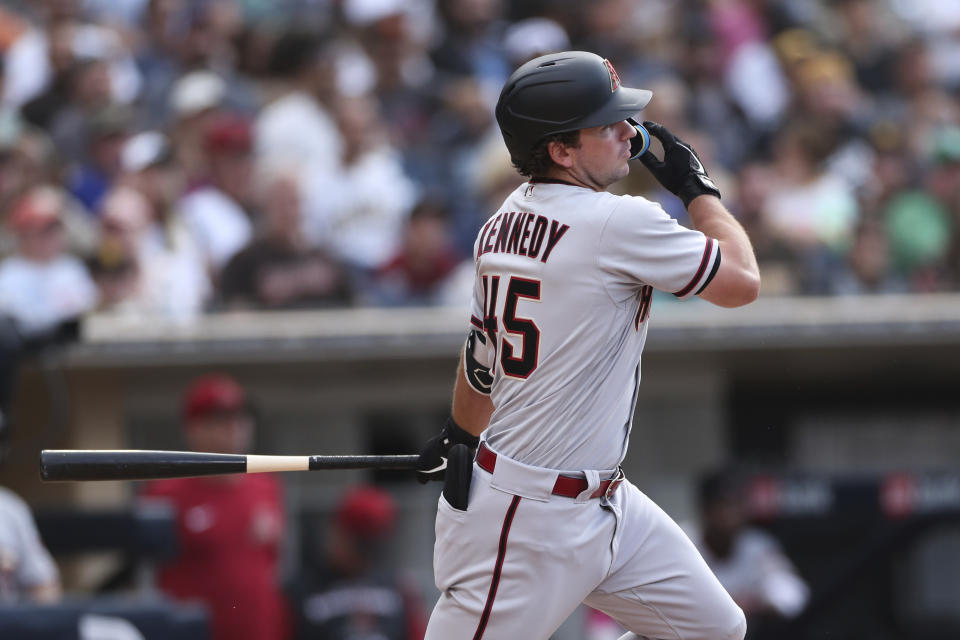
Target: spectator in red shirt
(229,527)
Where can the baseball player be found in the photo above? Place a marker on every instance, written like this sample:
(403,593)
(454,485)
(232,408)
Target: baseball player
(541,518)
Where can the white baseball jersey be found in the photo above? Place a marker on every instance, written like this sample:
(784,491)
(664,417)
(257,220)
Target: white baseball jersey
(564,278)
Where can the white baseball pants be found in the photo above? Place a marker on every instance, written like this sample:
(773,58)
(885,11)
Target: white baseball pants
(519,560)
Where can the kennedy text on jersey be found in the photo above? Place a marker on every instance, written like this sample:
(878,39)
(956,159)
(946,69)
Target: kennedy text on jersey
(521,233)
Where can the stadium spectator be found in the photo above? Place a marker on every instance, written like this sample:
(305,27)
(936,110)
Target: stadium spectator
(921,219)
(90,179)
(195,103)
(26,160)
(296,126)
(809,210)
(44,290)
(749,562)
(191,38)
(278,270)
(219,213)
(42,285)
(230,527)
(876,81)
(27,572)
(358,211)
(42,109)
(143,267)
(868,267)
(419,273)
(345,588)
(865,33)
(447,158)
(387,58)
(89,93)
(150,168)
(26,68)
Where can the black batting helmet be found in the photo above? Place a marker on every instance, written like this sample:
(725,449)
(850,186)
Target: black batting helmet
(562,92)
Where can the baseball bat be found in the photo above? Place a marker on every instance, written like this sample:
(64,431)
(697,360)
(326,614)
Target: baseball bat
(142,464)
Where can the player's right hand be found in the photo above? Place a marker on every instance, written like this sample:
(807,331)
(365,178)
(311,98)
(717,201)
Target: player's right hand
(680,172)
(433,456)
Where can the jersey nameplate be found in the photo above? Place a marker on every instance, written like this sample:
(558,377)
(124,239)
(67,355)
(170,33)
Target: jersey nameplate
(521,233)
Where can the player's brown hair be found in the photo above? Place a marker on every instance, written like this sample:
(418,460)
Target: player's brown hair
(540,161)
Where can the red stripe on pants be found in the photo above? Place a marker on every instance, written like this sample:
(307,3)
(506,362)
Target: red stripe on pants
(495,582)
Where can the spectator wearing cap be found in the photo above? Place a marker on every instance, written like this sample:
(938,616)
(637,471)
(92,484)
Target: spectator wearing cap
(26,160)
(44,289)
(526,39)
(91,179)
(150,168)
(388,56)
(229,528)
(345,588)
(218,213)
(196,102)
(42,285)
(188,54)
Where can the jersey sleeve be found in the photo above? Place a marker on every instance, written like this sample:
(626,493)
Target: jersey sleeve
(641,244)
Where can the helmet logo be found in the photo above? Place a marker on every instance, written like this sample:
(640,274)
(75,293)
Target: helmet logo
(614,78)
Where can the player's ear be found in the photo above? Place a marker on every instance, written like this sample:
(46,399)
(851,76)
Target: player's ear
(560,153)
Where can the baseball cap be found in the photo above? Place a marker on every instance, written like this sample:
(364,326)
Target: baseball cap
(366,512)
(362,13)
(111,120)
(229,133)
(195,92)
(212,394)
(144,150)
(36,209)
(533,37)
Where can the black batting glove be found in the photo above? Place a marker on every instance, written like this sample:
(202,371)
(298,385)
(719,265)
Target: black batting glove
(433,456)
(681,172)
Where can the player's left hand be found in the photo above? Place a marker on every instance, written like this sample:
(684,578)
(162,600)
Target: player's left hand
(680,172)
(433,456)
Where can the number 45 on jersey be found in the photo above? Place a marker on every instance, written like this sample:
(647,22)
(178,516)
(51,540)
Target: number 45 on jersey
(517,341)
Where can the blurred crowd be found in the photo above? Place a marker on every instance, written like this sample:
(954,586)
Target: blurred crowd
(163,158)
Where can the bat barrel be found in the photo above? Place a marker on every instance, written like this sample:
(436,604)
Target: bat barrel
(135,465)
